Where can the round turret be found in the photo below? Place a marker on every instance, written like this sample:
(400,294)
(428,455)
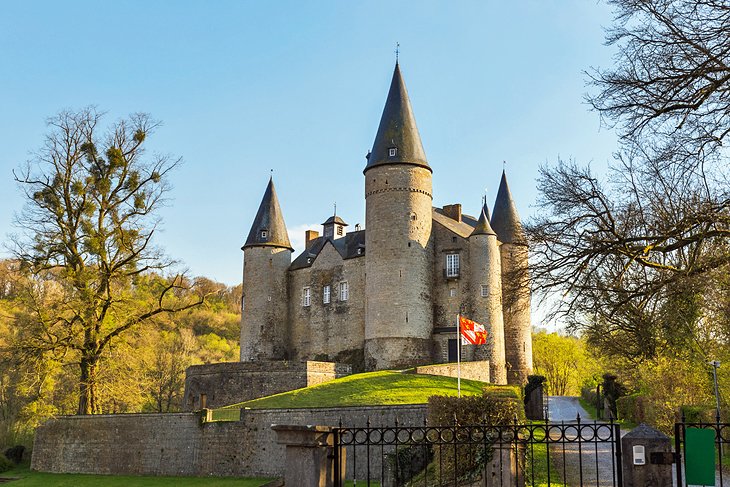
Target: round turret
(267,257)
(486,295)
(515,286)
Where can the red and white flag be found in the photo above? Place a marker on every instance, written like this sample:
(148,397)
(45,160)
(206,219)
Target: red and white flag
(472,332)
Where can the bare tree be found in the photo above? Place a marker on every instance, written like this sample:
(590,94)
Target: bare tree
(87,242)
(669,90)
(635,255)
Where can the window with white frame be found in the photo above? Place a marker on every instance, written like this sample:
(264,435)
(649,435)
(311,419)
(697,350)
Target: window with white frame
(326,294)
(392,152)
(452,293)
(264,234)
(306,296)
(484,291)
(344,291)
(452,265)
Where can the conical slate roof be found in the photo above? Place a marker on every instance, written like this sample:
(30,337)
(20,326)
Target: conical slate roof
(270,220)
(505,220)
(397,130)
(483,227)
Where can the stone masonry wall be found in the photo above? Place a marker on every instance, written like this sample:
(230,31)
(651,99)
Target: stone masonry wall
(264,310)
(229,383)
(398,253)
(336,330)
(179,444)
(469,370)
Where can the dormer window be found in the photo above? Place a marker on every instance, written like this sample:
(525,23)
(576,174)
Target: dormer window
(264,234)
(392,152)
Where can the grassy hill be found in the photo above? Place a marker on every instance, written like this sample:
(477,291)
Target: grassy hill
(375,388)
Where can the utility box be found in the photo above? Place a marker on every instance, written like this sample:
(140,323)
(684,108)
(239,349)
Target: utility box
(647,458)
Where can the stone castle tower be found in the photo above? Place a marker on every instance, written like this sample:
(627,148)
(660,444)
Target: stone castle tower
(398,196)
(267,257)
(387,296)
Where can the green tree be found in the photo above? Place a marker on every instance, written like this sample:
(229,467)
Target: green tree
(563,361)
(86,245)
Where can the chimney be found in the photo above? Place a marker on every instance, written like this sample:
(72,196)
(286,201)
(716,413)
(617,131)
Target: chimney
(453,211)
(309,235)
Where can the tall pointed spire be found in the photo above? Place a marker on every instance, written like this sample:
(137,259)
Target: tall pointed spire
(397,140)
(483,227)
(505,220)
(268,227)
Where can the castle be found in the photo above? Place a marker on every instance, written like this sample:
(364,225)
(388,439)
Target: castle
(387,296)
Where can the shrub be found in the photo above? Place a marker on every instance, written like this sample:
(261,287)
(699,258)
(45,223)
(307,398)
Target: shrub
(636,408)
(698,413)
(491,409)
(5,464)
(588,394)
(15,454)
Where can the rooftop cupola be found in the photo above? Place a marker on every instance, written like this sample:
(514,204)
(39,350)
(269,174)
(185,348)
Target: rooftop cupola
(483,227)
(334,227)
(397,140)
(268,229)
(505,220)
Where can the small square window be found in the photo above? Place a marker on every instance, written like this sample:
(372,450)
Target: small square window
(264,233)
(392,152)
(452,293)
(326,294)
(484,291)
(344,291)
(306,297)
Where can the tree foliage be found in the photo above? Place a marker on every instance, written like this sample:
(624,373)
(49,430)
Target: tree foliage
(93,272)
(635,254)
(564,361)
(142,371)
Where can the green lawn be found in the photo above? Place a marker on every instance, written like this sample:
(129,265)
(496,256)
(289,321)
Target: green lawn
(28,478)
(374,388)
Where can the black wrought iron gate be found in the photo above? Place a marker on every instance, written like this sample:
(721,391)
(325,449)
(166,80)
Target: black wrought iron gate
(519,454)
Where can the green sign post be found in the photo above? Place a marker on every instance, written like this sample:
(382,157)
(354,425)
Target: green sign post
(699,456)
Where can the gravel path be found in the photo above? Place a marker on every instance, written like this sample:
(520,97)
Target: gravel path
(592,462)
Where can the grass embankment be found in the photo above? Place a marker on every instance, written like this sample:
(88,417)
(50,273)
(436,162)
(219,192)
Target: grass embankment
(375,389)
(28,478)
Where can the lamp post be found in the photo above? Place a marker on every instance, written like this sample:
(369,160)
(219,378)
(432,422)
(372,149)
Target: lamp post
(715,364)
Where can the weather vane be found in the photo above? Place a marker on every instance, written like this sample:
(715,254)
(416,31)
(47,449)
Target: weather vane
(335,208)
(397,51)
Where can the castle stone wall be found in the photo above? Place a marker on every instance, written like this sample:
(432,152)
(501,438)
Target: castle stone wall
(264,314)
(229,383)
(398,253)
(469,370)
(516,310)
(485,270)
(334,331)
(446,306)
(179,444)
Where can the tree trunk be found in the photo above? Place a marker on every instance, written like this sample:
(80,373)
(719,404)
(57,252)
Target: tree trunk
(87,386)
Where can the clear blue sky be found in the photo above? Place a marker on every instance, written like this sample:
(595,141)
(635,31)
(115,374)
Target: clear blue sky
(246,86)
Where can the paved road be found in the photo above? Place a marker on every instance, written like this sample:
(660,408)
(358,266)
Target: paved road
(564,408)
(591,462)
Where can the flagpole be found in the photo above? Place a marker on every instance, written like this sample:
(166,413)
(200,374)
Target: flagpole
(458,355)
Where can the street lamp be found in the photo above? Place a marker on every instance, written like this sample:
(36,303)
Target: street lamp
(715,364)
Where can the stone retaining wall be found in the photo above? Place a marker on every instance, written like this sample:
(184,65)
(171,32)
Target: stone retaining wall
(179,444)
(469,370)
(228,383)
